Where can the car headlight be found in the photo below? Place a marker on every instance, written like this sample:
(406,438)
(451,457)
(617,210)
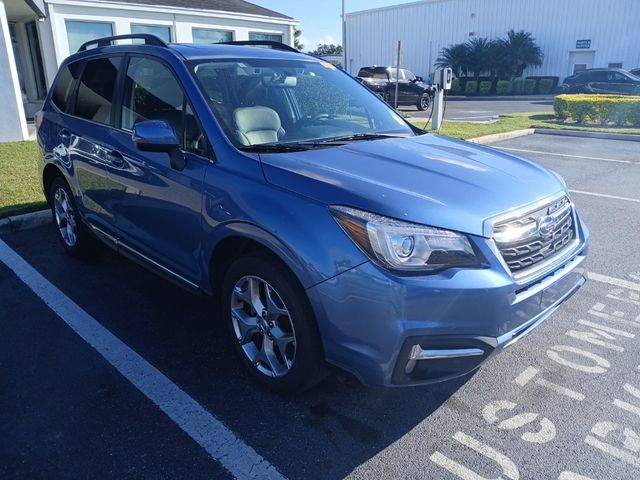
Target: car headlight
(402,246)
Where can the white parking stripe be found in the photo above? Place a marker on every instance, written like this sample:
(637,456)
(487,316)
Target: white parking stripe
(604,195)
(520,150)
(618,282)
(210,433)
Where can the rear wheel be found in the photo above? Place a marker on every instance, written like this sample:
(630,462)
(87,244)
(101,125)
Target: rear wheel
(72,233)
(272,325)
(424,102)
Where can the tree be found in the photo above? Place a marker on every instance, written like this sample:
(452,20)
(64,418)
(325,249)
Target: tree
(327,49)
(477,55)
(521,51)
(296,39)
(454,56)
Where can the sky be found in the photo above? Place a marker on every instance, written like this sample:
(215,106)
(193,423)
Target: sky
(320,19)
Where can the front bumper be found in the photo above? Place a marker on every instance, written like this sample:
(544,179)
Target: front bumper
(393,331)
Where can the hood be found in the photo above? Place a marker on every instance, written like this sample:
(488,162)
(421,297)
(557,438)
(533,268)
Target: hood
(430,179)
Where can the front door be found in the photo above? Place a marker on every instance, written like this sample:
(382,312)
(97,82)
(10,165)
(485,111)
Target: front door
(580,61)
(159,208)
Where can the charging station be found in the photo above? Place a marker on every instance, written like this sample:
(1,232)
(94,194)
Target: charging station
(442,79)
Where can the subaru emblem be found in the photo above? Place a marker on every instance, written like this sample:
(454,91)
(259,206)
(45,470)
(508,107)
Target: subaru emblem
(545,225)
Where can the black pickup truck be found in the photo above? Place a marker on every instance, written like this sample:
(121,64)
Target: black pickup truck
(412,90)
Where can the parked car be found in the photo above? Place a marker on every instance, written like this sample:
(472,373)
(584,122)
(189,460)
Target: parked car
(635,71)
(331,229)
(603,80)
(412,89)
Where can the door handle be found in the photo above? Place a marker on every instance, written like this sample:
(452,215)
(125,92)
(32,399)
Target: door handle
(64,136)
(115,158)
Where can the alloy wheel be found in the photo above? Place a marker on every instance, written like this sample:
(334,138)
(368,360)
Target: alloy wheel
(65,217)
(263,326)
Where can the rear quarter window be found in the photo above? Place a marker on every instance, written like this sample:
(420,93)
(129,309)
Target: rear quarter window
(64,85)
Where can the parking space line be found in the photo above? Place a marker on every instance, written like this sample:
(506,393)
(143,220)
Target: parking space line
(520,150)
(210,433)
(618,282)
(604,195)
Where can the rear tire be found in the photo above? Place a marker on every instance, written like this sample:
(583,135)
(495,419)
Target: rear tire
(424,102)
(272,325)
(70,230)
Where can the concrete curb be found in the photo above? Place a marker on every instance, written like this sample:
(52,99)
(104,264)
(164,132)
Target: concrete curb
(23,222)
(499,137)
(629,137)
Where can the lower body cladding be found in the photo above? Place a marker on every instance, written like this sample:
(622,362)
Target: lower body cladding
(397,331)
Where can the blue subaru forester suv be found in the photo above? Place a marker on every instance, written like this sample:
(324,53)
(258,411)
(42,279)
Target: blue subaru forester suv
(331,229)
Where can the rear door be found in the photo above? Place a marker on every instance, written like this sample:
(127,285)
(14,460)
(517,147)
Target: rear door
(87,134)
(159,208)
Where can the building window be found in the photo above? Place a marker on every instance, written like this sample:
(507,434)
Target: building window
(272,37)
(36,59)
(160,31)
(79,32)
(205,35)
(615,65)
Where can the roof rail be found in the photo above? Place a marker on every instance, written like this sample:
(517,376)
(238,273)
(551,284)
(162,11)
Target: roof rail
(262,43)
(106,41)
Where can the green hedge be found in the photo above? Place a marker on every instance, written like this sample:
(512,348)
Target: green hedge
(518,87)
(485,88)
(471,88)
(455,87)
(502,87)
(529,86)
(603,109)
(545,86)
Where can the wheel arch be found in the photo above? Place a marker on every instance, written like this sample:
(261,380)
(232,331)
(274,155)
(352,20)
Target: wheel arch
(49,174)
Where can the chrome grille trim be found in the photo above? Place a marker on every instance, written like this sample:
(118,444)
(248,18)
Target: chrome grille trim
(524,251)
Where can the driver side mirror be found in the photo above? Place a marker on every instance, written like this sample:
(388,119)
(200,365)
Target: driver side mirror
(418,79)
(159,136)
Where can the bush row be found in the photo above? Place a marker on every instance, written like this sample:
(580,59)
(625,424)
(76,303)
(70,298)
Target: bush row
(603,109)
(528,86)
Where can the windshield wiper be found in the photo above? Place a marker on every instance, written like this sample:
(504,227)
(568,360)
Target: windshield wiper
(275,147)
(354,138)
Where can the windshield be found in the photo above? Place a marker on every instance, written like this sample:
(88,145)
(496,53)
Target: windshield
(278,102)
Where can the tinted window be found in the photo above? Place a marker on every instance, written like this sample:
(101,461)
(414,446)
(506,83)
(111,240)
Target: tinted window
(95,93)
(152,93)
(64,86)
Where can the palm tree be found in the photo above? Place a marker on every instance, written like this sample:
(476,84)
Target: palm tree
(496,61)
(477,55)
(454,56)
(296,39)
(521,51)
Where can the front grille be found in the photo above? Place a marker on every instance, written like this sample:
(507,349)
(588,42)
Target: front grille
(535,236)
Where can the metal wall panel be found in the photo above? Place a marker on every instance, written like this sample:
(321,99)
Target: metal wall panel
(428,26)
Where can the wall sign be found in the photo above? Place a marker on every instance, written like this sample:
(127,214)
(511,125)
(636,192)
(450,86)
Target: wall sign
(583,44)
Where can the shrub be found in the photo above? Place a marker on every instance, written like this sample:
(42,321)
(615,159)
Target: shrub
(471,88)
(538,79)
(518,87)
(455,87)
(485,88)
(602,109)
(502,87)
(529,86)
(545,86)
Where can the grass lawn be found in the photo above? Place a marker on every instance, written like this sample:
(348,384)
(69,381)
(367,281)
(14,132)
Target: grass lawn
(517,121)
(20,190)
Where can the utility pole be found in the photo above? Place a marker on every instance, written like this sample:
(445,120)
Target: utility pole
(344,36)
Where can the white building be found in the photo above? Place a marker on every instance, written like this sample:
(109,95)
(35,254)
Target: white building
(37,35)
(573,34)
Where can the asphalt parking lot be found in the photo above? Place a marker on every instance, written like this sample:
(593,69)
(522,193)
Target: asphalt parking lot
(484,110)
(88,391)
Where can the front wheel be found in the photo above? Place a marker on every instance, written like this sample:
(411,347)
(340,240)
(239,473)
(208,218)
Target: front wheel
(424,102)
(272,325)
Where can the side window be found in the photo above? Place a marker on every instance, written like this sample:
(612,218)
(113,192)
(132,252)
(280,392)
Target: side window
(409,76)
(95,93)
(151,92)
(64,86)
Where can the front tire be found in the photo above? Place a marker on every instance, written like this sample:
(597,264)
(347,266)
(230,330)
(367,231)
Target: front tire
(424,102)
(272,325)
(70,230)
